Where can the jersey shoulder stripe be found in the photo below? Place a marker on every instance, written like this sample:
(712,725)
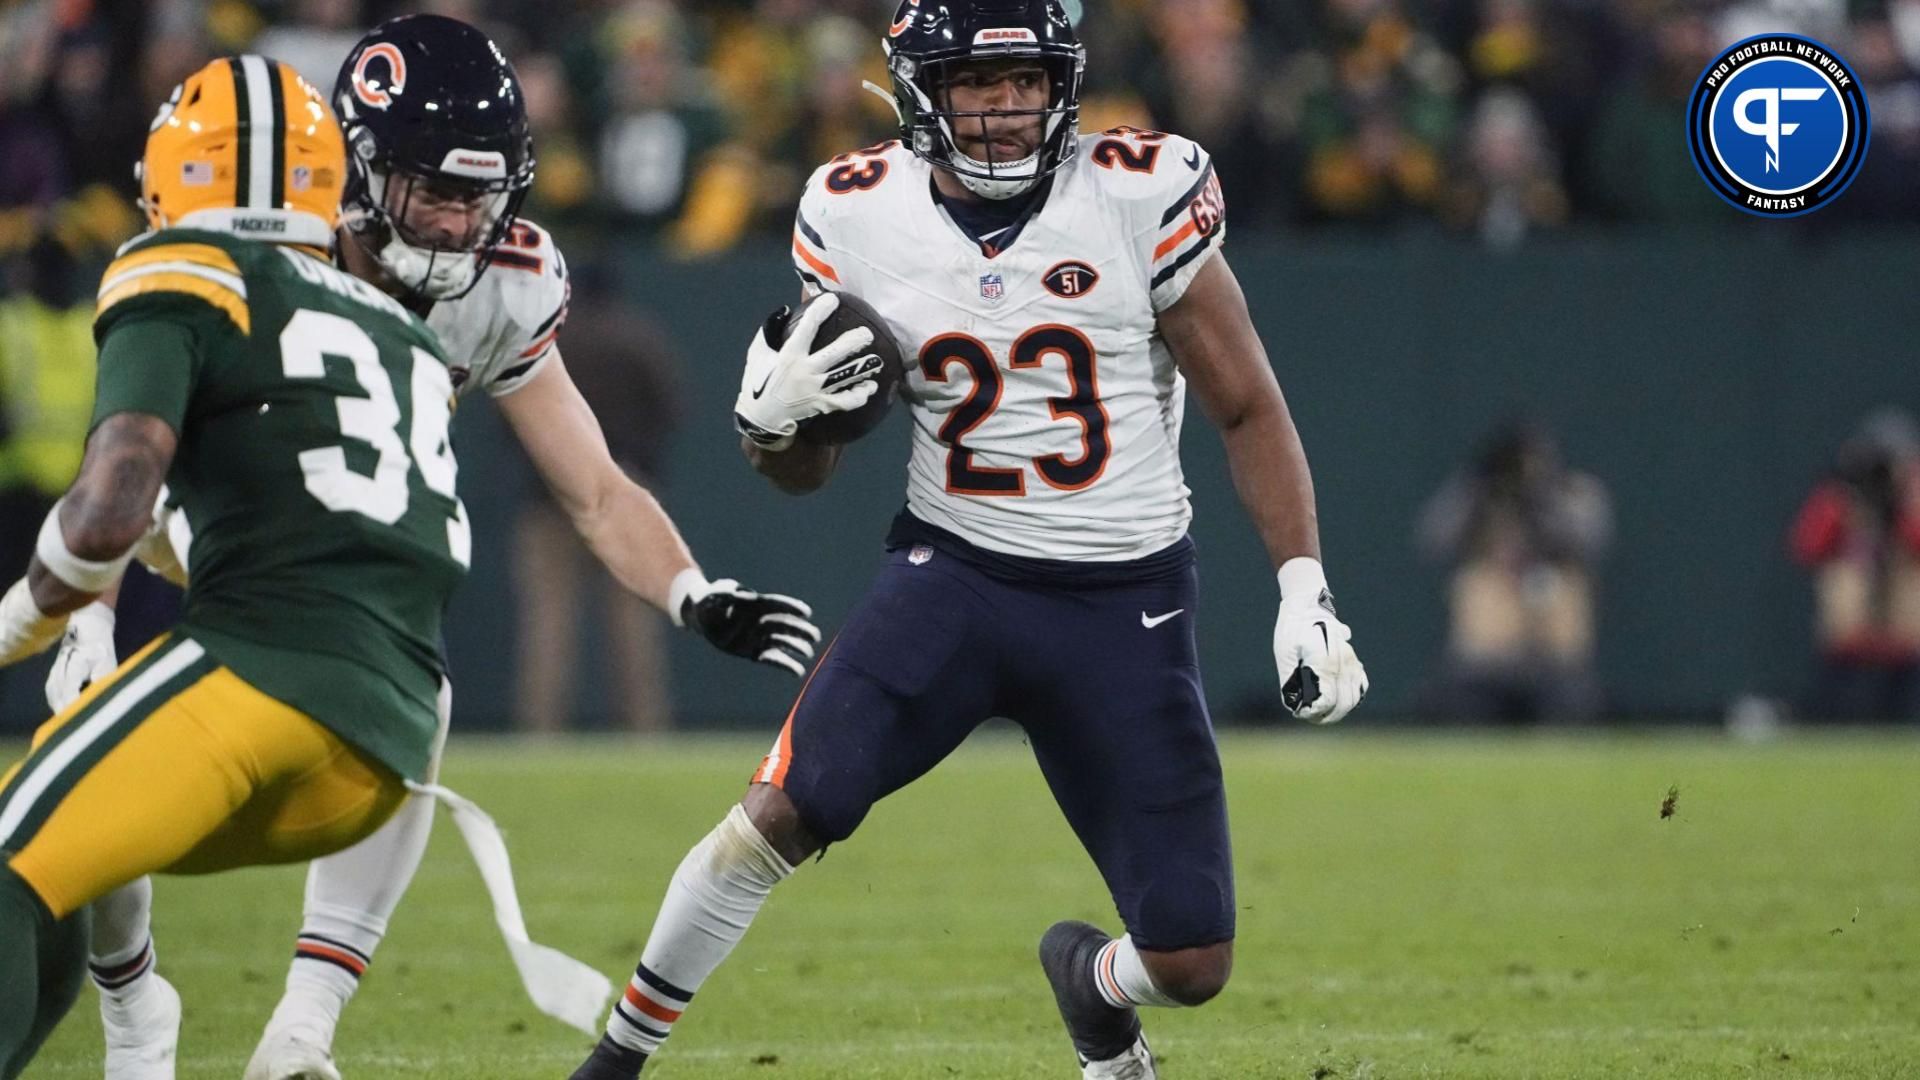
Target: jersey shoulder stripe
(1181,204)
(1189,224)
(810,251)
(809,262)
(202,271)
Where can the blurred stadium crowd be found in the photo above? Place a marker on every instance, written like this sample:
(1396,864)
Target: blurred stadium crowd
(693,122)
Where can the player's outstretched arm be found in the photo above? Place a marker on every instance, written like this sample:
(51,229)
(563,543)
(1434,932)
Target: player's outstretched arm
(630,532)
(91,533)
(621,522)
(1213,340)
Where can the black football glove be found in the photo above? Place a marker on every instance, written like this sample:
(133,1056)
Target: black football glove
(767,627)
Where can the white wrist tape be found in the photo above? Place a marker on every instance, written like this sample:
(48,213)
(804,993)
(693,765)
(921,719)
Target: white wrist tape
(85,575)
(686,583)
(1301,580)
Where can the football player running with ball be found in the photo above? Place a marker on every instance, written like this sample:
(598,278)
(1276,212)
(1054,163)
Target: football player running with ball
(1059,294)
(440,160)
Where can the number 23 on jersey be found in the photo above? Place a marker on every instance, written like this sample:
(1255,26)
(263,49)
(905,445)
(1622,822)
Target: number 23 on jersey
(1081,403)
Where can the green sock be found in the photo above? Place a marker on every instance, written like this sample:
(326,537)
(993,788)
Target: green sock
(43,963)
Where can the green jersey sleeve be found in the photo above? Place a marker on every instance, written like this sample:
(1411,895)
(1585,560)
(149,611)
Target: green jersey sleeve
(148,364)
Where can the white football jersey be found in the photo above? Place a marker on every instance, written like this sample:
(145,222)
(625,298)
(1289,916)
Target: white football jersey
(501,334)
(1046,407)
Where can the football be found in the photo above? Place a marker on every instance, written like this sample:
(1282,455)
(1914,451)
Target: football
(844,427)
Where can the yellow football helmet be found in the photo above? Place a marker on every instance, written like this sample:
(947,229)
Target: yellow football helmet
(246,146)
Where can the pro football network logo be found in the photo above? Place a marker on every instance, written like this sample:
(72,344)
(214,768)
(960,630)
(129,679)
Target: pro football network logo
(1778,125)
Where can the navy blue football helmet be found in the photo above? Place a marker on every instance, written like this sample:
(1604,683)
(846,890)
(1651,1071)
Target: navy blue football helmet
(439,155)
(930,39)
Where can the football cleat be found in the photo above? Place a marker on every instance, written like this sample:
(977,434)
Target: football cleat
(610,1061)
(1135,1064)
(289,1054)
(143,1035)
(1101,1034)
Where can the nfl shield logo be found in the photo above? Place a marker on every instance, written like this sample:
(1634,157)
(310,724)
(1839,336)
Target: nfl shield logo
(991,286)
(920,554)
(302,178)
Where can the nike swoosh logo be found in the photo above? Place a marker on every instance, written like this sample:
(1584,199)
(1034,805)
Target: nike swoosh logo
(1325,641)
(1194,161)
(763,386)
(1156,620)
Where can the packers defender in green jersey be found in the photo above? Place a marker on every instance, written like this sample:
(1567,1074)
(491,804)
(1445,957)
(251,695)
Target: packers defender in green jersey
(300,418)
(316,484)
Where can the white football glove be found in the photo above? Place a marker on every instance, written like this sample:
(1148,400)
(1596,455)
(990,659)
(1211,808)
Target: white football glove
(85,657)
(784,386)
(1321,679)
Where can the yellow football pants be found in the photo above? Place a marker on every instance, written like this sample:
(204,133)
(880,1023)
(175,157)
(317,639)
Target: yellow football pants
(175,764)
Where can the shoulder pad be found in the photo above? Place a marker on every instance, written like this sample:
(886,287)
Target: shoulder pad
(1138,165)
(832,197)
(187,265)
(528,279)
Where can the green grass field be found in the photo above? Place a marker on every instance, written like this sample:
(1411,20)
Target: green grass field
(1410,907)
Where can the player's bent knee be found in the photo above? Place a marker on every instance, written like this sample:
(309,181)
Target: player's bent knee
(776,817)
(1191,976)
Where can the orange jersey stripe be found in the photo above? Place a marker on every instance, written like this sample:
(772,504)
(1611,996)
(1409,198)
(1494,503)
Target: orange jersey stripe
(1175,240)
(534,349)
(813,260)
(647,1005)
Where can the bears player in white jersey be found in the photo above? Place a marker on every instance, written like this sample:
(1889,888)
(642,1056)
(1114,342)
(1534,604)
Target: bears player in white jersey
(440,159)
(1058,294)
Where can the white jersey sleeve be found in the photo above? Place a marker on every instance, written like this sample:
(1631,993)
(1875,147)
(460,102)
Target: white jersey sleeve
(1178,211)
(826,223)
(500,335)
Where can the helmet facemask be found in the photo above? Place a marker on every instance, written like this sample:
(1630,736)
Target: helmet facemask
(433,234)
(935,130)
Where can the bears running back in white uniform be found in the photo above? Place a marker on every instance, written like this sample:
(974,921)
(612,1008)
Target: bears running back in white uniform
(1046,408)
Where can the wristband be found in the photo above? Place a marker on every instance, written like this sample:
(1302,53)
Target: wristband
(86,575)
(1302,576)
(685,584)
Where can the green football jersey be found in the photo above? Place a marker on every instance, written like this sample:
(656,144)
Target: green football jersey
(314,477)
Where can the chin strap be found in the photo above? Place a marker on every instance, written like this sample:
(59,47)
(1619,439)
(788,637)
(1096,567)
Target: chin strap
(996,188)
(433,274)
(877,91)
